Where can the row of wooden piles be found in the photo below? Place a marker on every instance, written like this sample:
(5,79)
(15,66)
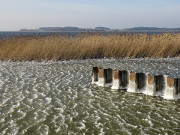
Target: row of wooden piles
(153,85)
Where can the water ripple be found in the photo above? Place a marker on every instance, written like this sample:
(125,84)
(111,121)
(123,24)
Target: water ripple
(57,98)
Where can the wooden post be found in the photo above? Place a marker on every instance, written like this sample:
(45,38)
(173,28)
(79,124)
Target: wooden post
(150,85)
(132,82)
(160,84)
(108,76)
(170,88)
(141,81)
(116,80)
(95,75)
(124,79)
(101,79)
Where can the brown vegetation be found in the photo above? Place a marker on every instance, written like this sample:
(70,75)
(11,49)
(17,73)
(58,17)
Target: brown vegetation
(59,47)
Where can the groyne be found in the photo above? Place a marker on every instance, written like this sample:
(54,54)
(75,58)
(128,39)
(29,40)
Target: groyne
(153,85)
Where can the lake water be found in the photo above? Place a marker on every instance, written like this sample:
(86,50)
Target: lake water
(11,34)
(52,98)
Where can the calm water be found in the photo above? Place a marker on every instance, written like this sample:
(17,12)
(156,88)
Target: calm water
(7,35)
(52,98)
(13,34)
(10,34)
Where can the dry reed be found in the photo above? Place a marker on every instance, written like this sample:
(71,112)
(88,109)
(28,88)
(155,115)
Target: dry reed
(59,47)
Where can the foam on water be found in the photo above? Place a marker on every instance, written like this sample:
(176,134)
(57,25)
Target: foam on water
(58,98)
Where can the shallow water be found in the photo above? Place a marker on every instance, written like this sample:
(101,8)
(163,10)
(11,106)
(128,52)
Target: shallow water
(58,98)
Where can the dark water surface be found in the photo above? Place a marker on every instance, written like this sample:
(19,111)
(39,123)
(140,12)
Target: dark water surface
(11,34)
(52,98)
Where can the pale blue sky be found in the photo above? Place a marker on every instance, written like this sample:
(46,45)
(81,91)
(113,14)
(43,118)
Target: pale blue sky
(17,14)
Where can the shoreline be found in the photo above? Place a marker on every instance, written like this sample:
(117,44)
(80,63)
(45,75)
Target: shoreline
(71,60)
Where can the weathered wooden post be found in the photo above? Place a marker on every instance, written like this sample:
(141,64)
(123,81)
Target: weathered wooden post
(95,75)
(124,79)
(116,80)
(132,87)
(141,81)
(150,85)
(101,79)
(108,75)
(172,88)
(160,83)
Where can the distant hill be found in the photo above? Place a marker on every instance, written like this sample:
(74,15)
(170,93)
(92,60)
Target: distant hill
(60,29)
(152,29)
(65,29)
(103,29)
(146,28)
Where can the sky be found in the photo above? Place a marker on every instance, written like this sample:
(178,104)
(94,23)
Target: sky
(115,14)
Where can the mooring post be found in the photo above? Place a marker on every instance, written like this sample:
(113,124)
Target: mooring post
(132,87)
(124,79)
(160,84)
(116,80)
(95,75)
(150,85)
(108,76)
(141,81)
(170,88)
(101,79)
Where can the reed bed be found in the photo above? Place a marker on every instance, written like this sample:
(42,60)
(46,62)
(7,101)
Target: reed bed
(59,47)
